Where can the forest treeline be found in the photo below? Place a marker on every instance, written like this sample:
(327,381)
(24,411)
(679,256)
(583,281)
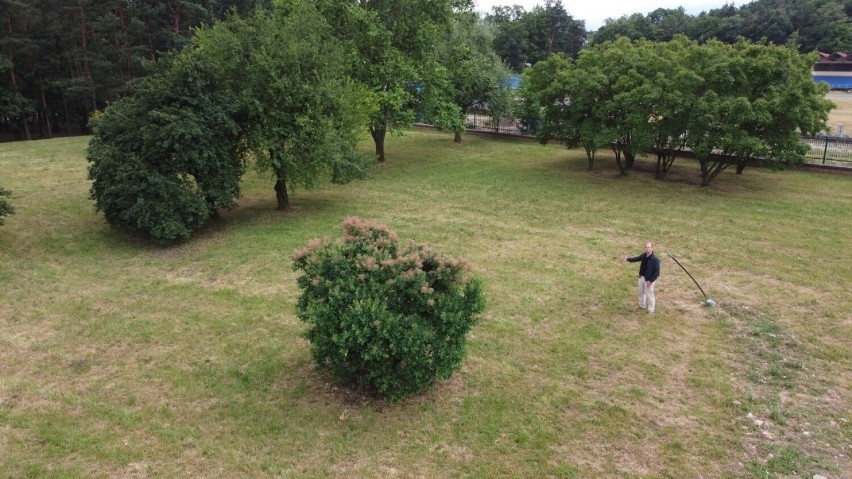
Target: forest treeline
(818,25)
(63,60)
(523,38)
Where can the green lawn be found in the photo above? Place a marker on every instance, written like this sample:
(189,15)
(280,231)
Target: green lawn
(119,358)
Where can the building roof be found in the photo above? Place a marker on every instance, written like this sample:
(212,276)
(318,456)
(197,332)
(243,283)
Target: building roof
(834,57)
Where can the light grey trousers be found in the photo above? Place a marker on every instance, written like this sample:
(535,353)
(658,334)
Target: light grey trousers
(646,295)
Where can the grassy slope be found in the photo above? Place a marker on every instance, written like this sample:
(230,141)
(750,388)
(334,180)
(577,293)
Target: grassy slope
(120,358)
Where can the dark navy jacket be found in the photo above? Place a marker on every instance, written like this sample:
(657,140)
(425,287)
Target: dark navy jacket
(650,267)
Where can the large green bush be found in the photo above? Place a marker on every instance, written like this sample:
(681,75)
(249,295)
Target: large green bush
(5,208)
(382,316)
(166,159)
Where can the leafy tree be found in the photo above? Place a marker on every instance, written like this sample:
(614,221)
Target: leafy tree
(6,208)
(661,25)
(387,317)
(553,30)
(568,99)
(475,71)
(747,101)
(525,38)
(623,66)
(759,99)
(821,25)
(633,27)
(668,22)
(392,54)
(512,39)
(592,102)
(298,112)
(653,100)
(503,105)
(727,24)
(769,20)
(166,159)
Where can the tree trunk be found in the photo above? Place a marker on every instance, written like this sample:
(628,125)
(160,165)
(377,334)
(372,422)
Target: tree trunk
(621,168)
(26,126)
(710,170)
(176,12)
(379,137)
(86,68)
(18,96)
(665,159)
(705,173)
(67,117)
(40,123)
(281,195)
(590,154)
(457,137)
(47,114)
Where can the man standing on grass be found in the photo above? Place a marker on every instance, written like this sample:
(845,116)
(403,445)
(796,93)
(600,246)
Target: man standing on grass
(649,271)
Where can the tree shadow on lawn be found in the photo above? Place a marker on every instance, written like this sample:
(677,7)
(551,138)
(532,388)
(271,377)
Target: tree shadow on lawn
(263,212)
(684,172)
(251,212)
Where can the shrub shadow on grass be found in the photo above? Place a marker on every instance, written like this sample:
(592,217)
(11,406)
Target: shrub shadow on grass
(269,387)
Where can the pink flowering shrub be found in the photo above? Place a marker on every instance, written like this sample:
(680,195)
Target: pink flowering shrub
(382,316)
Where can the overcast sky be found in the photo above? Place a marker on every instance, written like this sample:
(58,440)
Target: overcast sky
(594,12)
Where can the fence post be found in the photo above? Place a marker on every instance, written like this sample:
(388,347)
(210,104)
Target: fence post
(825,151)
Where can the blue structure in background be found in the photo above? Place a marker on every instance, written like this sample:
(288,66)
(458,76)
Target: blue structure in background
(835,69)
(512,81)
(835,82)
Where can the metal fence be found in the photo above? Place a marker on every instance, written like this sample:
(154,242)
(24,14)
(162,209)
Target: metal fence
(829,150)
(823,150)
(480,121)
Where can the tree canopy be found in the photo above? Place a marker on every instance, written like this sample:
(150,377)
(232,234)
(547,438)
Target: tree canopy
(817,25)
(524,38)
(166,158)
(748,101)
(392,45)
(62,61)
(298,111)
(475,72)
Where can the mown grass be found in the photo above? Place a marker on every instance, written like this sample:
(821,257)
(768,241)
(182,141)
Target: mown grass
(842,114)
(119,358)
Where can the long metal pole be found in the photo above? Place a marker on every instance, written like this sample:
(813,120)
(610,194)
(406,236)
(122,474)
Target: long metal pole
(687,272)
